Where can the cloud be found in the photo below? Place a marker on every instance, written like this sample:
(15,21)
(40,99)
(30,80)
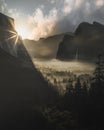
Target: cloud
(3,6)
(43,24)
(7,11)
(99,3)
(56,16)
(21,19)
(65,15)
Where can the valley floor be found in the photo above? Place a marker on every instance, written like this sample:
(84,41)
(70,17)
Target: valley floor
(59,73)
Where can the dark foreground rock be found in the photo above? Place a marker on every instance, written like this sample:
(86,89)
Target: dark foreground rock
(22,87)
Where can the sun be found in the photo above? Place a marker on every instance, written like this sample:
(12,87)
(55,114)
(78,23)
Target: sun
(23,32)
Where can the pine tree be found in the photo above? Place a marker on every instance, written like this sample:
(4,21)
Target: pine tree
(84,89)
(99,72)
(69,88)
(97,85)
(78,87)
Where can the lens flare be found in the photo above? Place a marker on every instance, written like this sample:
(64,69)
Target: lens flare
(13,36)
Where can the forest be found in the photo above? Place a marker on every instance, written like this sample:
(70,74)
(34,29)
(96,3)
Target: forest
(81,107)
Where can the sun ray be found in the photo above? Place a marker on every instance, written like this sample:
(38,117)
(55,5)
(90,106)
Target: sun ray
(12,37)
(13,32)
(16,40)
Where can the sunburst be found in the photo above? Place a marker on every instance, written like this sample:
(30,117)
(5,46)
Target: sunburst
(14,36)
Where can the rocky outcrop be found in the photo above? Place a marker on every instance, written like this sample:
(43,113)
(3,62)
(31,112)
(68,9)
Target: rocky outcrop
(8,35)
(21,88)
(11,42)
(87,43)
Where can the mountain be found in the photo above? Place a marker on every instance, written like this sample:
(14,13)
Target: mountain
(45,48)
(86,43)
(21,87)
(7,34)
(10,41)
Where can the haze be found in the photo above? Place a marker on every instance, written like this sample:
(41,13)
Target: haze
(43,18)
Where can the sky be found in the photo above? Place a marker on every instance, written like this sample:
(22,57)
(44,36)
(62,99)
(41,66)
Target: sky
(43,18)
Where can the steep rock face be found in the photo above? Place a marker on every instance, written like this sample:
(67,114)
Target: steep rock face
(6,22)
(45,48)
(8,35)
(88,42)
(64,51)
(21,88)
(11,42)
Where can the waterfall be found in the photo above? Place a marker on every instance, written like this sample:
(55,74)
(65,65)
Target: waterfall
(77,55)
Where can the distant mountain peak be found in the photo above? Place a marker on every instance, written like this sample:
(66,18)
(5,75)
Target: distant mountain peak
(88,39)
(87,27)
(97,24)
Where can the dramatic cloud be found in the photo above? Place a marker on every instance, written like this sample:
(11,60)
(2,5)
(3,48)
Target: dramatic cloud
(56,16)
(65,15)
(3,7)
(43,24)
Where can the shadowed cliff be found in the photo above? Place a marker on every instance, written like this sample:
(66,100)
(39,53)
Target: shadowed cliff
(88,42)
(21,85)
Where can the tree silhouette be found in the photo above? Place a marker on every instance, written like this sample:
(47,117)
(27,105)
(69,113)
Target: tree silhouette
(97,85)
(99,71)
(84,90)
(77,90)
(96,93)
(69,87)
